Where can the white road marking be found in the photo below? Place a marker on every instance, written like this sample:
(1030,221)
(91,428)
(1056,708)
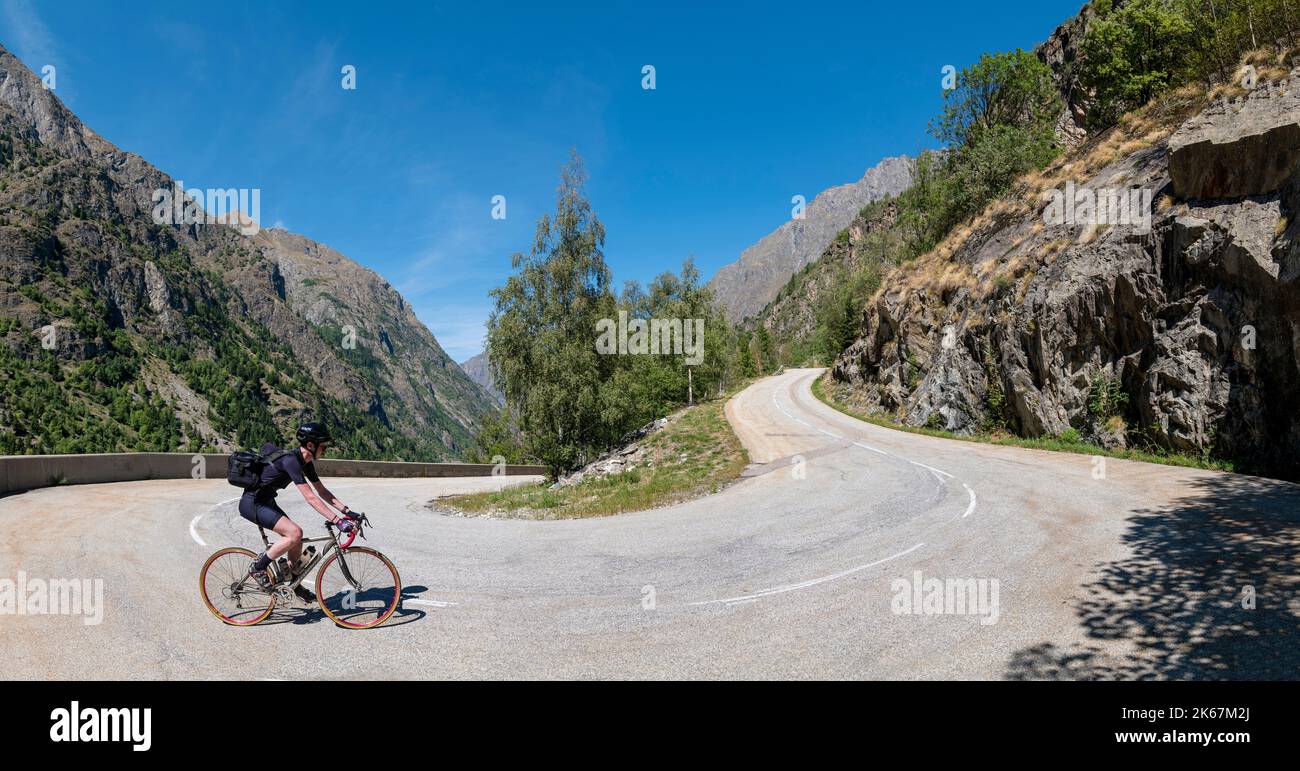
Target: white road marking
(194,523)
(194,533)
(863,445)
(869,447)
(939,473)
(806,584)
(434,603)
(777,404)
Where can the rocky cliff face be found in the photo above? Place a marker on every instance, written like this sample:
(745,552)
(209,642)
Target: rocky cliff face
(1061,52)
(479,370)
(868,241)
(1184,335)
(745,286)
(790,314)
(172,336)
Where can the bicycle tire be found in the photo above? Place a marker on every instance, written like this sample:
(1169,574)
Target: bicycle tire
(226,579)
(391,597)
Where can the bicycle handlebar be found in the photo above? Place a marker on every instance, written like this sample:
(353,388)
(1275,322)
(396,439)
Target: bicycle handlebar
(357,521)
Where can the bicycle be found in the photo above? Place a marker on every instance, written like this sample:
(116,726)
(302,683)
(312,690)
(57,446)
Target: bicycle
(354,595)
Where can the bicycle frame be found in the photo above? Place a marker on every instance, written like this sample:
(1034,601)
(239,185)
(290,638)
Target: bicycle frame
(333,538)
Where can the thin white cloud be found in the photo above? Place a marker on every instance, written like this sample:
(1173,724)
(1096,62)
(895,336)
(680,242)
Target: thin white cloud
(179,35)
(461,234)
(461,329)
(28,37)
(306,101)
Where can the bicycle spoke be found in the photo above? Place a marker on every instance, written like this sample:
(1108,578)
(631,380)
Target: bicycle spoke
(375,600)
(230,593)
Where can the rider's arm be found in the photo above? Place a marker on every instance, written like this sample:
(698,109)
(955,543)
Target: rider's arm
(309,472)
(316,502)
(329,497)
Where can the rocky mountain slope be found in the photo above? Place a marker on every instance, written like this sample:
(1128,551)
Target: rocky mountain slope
(478,369)
(867,240)
(122,334)
(868,243)
(1182,336)
(745,286)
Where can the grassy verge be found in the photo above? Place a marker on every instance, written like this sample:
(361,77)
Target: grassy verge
(695,454)
(1051,443)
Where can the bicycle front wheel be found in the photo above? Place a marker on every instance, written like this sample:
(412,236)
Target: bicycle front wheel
(358,588)
(230,593)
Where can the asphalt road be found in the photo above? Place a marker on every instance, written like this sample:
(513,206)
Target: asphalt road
(807,568)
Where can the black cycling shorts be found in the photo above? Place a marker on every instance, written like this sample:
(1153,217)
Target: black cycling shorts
(263,512)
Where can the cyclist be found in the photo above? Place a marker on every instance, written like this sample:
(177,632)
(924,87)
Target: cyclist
(258,503)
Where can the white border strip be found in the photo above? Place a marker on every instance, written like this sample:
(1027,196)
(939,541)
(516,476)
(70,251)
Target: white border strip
(806,584)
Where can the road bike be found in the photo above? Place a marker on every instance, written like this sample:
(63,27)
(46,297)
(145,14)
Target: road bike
(357,587)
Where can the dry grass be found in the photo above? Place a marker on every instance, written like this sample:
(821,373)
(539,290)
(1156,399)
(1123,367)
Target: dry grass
(1264,65)
(940,271)
(1023,288)
(1229,91)
(1259,57)
(1138,130)
(996,278)
(696,454)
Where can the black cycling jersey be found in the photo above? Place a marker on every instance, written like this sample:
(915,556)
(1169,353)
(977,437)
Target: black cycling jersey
(278,474)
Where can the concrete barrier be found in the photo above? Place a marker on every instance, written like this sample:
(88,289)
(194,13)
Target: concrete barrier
(26,472)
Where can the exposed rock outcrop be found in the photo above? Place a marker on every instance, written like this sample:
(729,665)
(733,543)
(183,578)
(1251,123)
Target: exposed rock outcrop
(479,370)
(628,455)
(1249,146)
(1061,51)
(1183,336)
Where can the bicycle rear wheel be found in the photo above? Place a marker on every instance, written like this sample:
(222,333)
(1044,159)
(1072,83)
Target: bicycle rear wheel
(368,604)
(230,593)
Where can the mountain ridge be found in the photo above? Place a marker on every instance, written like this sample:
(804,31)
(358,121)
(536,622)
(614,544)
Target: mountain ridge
(192,335)
(479,370)
(745,286)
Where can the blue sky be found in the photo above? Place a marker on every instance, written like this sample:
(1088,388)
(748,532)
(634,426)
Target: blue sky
(458,102)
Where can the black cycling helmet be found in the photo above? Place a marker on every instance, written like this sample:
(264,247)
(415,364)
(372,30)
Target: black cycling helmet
(313,432)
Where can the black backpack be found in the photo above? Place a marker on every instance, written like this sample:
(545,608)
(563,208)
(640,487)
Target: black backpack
(244,468)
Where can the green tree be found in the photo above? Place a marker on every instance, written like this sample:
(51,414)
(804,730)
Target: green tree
(839,315)
(496,438)
(1000,90)
(765,351)
(541,334)
(745,355)
(1133,52)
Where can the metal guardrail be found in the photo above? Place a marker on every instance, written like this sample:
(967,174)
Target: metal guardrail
(27,472)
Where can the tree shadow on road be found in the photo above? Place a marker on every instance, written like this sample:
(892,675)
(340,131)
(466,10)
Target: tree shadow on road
(1178,600)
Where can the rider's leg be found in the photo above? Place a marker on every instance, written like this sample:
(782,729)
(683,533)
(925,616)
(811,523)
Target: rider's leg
(290,540)
(267,515)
